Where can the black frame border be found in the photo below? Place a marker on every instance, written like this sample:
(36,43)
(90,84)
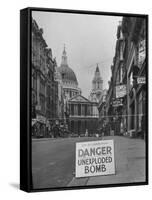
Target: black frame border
(25,99)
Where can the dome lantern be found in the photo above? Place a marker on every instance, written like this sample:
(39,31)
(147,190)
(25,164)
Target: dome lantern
(64,57)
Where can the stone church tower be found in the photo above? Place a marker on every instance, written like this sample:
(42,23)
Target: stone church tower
(97,86)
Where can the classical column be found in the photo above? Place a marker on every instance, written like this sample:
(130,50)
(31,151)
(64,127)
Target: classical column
(82,110)
(75,110)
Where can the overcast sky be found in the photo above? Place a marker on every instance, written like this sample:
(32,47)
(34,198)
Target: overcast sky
(89,39)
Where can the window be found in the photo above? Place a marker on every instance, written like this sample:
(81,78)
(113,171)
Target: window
(42,86)
(34,81)
(72,109)
(63,76)
(98,85)
(72,126)
(42,102)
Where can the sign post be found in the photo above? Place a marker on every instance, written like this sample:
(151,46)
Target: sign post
(95,158)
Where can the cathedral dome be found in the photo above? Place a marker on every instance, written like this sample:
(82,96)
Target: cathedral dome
(68,78)
(67,74)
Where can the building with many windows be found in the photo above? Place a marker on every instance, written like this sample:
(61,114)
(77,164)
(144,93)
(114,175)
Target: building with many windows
(44,86)
(135,64)
(126,96)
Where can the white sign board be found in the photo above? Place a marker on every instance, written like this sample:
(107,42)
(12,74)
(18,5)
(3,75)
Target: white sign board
(95,158)
(120,91)
(117,102)
(141,80)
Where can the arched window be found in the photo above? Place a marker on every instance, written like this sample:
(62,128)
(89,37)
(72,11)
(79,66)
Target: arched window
(98,85)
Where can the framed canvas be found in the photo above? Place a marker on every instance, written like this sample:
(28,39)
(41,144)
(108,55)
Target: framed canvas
(83,99)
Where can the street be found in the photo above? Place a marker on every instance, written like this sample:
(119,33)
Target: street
(53,162)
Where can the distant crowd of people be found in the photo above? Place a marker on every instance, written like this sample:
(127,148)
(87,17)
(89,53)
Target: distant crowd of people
(58,129)
(53,130)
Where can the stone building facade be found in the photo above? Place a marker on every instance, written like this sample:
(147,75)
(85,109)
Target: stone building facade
(44,87)
(81,114)
(135,73)
(126,96)
(97,86)
(83,118)
(102,114)
(68,77)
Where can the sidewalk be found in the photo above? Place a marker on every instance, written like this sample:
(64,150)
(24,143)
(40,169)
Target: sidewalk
(129,161)
(47,139)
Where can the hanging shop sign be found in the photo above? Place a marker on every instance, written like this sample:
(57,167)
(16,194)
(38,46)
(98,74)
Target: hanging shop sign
(38,107)
(95,158)
(117,102)
(120,91)
(141,80)
(34,121)
(141,52)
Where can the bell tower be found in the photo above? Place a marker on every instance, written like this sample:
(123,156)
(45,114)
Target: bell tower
(97,86)
(97,81)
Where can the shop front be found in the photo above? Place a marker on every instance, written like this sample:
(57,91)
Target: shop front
(39,126)
(141,109)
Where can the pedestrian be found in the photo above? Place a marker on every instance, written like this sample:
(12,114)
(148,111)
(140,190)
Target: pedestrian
(56,131)
(86,133)
(78,133)
(143,127)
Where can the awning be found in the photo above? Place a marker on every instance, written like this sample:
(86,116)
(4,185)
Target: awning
(34,121)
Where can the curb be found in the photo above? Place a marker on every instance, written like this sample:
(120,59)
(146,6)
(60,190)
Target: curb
(78,182)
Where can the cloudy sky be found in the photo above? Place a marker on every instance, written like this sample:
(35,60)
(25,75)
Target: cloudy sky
(89,39)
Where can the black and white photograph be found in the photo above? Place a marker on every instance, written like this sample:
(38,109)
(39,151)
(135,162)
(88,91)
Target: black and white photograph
(88,99)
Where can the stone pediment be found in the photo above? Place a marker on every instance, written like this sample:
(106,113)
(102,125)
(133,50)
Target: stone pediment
(79,98)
